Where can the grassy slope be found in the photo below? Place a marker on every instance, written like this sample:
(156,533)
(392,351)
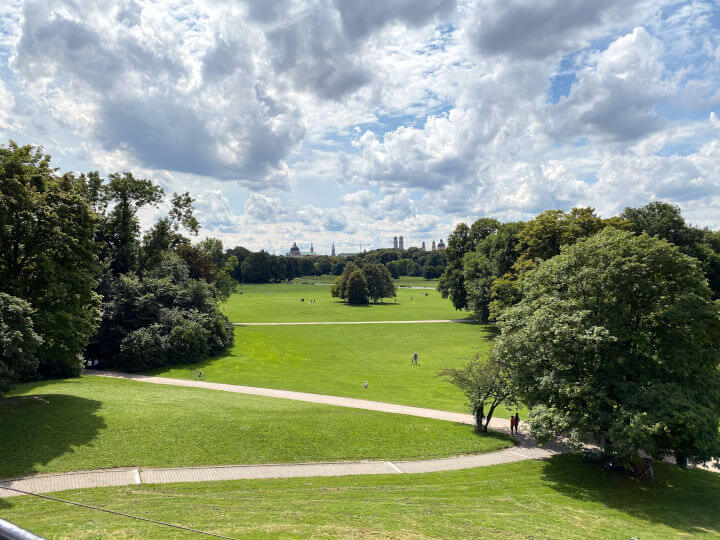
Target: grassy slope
(282,303)
(559,498)
(93,422)
(337,359)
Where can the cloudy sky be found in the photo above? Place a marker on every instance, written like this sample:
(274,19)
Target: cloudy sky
(354,121)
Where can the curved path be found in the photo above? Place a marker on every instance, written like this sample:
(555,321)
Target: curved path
(44,483)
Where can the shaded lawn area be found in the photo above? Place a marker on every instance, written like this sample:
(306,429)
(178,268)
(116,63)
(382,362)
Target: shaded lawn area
(93,422)
(282,303)
(559,498)
(336,359)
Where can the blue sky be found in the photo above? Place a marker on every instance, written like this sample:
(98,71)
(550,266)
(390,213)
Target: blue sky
(345,121)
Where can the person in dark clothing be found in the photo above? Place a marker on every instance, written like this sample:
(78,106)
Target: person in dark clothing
(517,421)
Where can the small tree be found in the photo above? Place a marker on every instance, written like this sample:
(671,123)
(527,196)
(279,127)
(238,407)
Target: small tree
(357,289)
(486,385)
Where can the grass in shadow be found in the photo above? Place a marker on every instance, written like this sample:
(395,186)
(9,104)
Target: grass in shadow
(686,500)
(45,426)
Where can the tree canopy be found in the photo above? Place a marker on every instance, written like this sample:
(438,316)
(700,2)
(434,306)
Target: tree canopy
(48,256)
(615,340)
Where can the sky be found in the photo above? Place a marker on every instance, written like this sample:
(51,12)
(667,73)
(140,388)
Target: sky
(353,122)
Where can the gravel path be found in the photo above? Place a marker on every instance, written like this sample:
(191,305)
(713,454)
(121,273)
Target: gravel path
(44,483)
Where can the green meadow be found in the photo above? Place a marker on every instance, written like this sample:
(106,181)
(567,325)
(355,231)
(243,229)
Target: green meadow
(558,498)
(290,302)
(336,359)
(95,422)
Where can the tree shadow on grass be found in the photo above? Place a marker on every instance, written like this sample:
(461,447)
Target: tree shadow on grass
(686,500)
(39,428)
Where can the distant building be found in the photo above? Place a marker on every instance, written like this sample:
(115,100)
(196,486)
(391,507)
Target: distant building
(295,252)
(401,243)
(332,253)
(441,245)
(423,246)
(433,246)
(395,242)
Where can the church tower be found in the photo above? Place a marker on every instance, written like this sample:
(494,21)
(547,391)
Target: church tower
(311,248)
(333,250)
(401,244)
(395,244)
(423,245)
(433,245)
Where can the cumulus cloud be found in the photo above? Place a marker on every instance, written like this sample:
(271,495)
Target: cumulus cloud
(394,117)
(616,94)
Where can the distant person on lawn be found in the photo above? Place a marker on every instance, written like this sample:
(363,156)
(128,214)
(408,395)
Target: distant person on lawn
(517,421)
(365,385)
(415,358)
(512,424)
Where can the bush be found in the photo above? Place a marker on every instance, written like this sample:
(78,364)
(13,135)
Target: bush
(160,319)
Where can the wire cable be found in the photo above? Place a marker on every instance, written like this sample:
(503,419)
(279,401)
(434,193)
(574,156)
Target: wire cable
(190,529)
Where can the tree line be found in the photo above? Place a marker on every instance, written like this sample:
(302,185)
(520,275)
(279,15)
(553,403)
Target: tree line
(263,267)
(82,284)
(608,330)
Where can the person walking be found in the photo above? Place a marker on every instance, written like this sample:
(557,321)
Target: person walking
(512,424)
(415,358)
(517,421)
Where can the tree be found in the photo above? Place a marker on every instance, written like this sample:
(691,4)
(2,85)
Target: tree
(200,263)
(616,341)
(126,195)
(380,283)
(162,318)
(486,384)
(18,342)
(357,288)
(339,288)
(47,255)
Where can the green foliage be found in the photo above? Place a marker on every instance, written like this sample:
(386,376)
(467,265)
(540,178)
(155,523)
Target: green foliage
(356,291)
(161,318)
(616,340)
(18,342)
(47,254)
(486,383)
(339,288)
(379,282)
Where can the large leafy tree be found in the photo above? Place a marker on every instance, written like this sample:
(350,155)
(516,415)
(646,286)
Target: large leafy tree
(380,283)
(461,241)
(357,289)
(616,341)
(48,256)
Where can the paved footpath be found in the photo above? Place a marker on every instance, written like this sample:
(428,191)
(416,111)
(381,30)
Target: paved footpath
(466,321)
(44,483)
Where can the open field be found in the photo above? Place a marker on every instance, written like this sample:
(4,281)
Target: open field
(94,422)
(402,281)
(561,497)
(283,303)
(336,359)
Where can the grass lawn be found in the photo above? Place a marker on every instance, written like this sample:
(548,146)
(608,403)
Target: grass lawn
(282,303)
(402,281)
(336,359)
(558,498)
(93,422)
